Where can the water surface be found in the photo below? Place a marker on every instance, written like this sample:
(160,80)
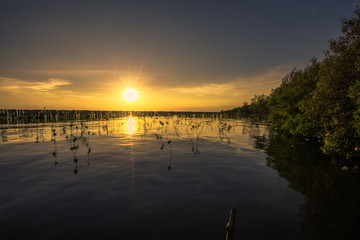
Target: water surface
(156,178)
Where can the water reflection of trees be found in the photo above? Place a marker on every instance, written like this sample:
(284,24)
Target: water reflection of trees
(53,139)
(82,138)
(165,129)
(3,136)
(331,209)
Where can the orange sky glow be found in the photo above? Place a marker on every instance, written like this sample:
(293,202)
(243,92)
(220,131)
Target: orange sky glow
(103,90)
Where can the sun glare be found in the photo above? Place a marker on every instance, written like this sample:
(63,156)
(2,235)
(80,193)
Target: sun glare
(130,95)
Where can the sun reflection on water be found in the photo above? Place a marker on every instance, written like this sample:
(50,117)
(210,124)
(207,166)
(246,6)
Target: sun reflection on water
(130,125)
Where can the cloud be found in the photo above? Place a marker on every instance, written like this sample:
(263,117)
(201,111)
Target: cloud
(243,87)
(13,84)
(205,89)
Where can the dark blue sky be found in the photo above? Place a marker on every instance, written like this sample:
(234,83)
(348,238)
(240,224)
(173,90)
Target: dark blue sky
(178,42)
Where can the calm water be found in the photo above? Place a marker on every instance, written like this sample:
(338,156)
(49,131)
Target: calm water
(169,178)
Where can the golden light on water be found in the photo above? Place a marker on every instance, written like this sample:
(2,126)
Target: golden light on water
(130,125)
(130,95)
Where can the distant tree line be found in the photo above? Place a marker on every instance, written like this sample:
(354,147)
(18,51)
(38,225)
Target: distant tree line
(20,116)
(321,101)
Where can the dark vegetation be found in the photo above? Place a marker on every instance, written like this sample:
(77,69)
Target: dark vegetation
(14,116)
(322,101)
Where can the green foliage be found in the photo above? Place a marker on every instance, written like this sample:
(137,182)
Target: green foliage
(257,109)
(321,101)
(285,101)
(330,114)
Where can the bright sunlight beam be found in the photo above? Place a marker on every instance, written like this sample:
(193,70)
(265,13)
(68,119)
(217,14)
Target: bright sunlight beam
(130,95)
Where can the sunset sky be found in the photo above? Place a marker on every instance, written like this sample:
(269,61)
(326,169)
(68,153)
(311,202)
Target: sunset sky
(178,55)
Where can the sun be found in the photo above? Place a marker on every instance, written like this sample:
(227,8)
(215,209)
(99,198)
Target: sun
(130,95)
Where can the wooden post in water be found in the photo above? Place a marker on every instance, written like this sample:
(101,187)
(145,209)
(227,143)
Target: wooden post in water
(229,228)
